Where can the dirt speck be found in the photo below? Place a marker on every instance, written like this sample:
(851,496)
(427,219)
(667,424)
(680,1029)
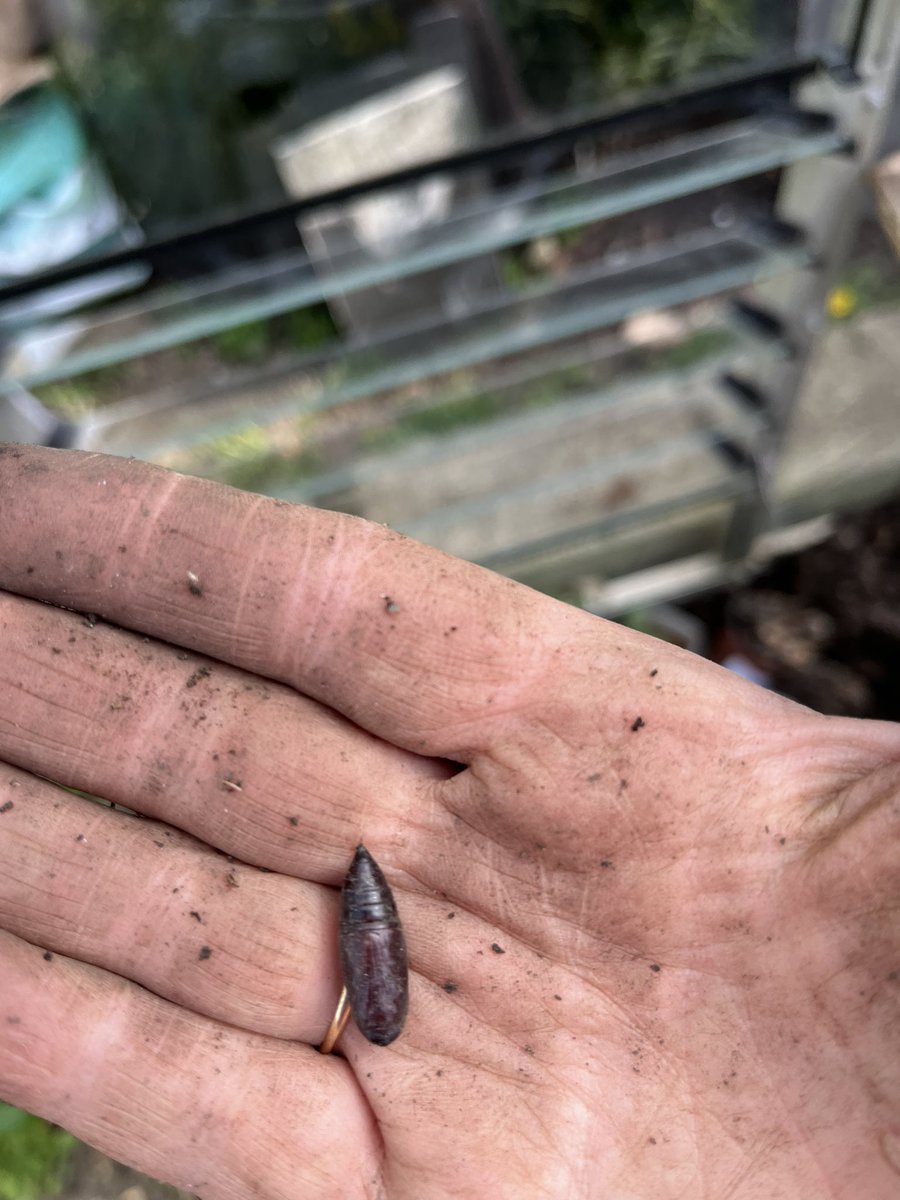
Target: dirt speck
(196,916)
(655,967)
(637,723)
(497,949)
(450,987)
(7,807)
(200,673)
(654,673)
(295,821)
(205,953)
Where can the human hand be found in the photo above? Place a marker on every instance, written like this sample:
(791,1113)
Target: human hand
(651,909)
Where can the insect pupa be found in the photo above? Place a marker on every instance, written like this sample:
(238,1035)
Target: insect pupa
(373,951)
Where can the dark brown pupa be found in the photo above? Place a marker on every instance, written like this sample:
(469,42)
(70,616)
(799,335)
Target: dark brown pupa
(373,951)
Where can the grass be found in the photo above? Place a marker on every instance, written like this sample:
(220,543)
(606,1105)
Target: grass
(33,1155)
(863,285)
(450,415)
(701,344)
(257,457)
(247,345)
(253,342)
(71,399)
(249,457)
(435,421)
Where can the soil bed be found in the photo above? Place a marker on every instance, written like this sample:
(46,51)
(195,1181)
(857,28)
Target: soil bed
(823,624)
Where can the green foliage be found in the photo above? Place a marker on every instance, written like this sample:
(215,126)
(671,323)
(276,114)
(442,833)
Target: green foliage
(155,98)
(515,269)
(247,444)
(871,282)
(164,86)
(699,345)
(32,1155)
(309,328)
(362,32)
(244,343)
(71,398)
(303,329)
(579,51)
(436,421)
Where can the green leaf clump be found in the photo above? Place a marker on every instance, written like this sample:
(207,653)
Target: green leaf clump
(33,1155)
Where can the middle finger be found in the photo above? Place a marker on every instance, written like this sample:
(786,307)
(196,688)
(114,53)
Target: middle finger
(252,948)
(245,764)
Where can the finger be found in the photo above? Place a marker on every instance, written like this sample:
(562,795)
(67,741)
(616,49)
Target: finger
(428,652)
(249,766)
(197,1104)
(255,949)
(413,645)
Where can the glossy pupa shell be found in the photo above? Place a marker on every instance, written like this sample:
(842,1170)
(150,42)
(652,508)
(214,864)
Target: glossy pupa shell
(373,951)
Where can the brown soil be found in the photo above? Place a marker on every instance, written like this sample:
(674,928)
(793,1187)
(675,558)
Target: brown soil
(824,624)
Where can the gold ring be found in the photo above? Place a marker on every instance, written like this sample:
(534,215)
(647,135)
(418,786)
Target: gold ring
(338,1022)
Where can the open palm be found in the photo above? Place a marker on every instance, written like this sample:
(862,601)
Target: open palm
(651,910)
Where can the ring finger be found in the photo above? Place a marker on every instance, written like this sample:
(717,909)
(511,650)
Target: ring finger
(249,766)
(154,905)
(245,764)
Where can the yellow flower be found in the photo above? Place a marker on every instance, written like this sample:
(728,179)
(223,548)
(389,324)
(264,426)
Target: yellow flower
(841,303)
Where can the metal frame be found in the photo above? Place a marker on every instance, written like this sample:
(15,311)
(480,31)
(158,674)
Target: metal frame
(658,109)
(847,67)
(862,91)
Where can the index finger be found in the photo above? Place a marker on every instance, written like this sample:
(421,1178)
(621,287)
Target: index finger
(406,641)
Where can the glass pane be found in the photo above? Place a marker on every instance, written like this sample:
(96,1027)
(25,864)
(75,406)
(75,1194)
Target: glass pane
(179,314)
(588,298)
(188,102)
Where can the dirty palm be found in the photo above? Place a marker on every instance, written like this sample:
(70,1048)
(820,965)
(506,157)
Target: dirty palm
(647,905)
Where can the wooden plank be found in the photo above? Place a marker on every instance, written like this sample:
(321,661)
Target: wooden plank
(886,180)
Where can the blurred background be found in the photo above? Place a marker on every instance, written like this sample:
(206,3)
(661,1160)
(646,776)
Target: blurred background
(602,294)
